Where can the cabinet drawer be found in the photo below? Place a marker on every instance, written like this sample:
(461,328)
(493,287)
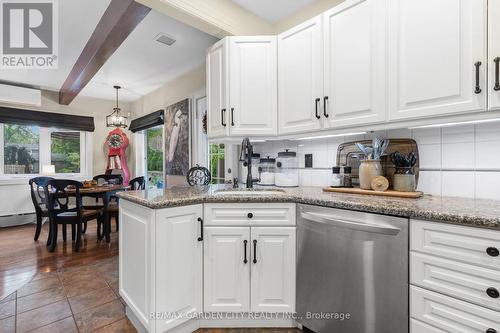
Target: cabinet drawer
(455,279)
(447,314)
(250,214)
(467,244)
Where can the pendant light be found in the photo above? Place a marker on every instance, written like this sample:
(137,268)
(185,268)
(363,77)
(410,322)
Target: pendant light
(116,119)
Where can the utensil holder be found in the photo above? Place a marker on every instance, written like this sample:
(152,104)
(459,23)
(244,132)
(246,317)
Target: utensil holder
(404,182)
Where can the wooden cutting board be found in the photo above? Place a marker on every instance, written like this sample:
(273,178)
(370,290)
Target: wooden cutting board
(388,193)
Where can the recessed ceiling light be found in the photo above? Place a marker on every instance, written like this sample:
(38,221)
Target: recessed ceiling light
(164,39)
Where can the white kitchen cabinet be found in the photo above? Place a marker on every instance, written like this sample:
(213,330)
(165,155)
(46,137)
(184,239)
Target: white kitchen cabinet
(435,49)
(300,77)
(178,263)
(217,90)
(494,54)
(355,63)
(242,87)
(273,269)
(227,275)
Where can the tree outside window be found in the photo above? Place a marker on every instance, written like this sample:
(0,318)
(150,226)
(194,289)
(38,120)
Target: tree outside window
(21,149)
(154,155)
(65,151)
(217,163)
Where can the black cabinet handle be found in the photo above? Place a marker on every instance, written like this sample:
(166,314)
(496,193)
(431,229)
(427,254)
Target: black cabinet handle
(491,330)
(317,107)
(493,292)
(254,251)
(325,100)
(250,215)
(493,252)
(200,239)
(497,74)
(245,250)
(222,117)
(232,116)
(478,86)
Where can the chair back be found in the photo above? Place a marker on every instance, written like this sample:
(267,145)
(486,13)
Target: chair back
(37,186)
(137,184)
(57,190)
(114,179)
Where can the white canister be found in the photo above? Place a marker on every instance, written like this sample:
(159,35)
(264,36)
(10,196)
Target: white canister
(266,171)
(287,172)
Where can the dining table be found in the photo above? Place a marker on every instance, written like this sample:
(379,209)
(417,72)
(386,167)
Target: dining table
(104,192)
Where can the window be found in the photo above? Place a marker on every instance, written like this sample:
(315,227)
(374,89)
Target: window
(21,149)
(154,155)
(65,151)
(217,163)
(25,149)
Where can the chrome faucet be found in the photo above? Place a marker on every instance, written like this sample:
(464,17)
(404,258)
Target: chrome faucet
(247,149)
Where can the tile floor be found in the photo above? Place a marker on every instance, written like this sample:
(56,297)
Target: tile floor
(77,299)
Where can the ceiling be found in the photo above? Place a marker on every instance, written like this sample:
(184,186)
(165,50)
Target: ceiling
(140,65)
(274,10)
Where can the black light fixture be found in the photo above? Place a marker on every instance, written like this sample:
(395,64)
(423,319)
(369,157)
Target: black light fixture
(116,119)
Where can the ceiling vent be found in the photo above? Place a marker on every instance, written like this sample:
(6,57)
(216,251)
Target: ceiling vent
(164,39)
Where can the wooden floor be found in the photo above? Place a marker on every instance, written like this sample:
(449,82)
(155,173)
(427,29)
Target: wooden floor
(21,258)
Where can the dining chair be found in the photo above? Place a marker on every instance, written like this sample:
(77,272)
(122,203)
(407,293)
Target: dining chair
(113,203)
(63,212)
(37,185)
(137,184)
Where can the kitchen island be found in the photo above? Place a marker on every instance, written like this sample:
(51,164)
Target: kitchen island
(214,257)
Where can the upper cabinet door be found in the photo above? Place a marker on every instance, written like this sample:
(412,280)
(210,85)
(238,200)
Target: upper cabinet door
(273,269)
(436,50)
(300,77)
(355,63)
(227,275)
(253,86)
(494,54)
(216,90)
(178,264)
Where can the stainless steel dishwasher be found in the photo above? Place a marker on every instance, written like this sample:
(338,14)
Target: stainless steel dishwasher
(352,271)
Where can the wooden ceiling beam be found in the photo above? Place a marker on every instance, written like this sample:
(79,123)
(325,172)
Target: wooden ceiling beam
(119,20)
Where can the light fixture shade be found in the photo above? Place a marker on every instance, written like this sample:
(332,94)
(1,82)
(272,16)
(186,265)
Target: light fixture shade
(116,119)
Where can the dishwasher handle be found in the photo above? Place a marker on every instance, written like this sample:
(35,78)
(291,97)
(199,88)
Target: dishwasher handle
(360,226)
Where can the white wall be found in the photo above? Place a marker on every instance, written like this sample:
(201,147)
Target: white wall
(458,161)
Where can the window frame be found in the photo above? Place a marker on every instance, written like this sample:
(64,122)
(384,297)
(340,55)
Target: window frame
(144,134)
(45,148)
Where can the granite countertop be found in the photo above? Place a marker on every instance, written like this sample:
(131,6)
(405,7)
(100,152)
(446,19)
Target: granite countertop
(464,211)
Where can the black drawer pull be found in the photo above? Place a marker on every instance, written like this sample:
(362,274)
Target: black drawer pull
(250,215)
(254,251)
(232,116)
(200,239)
(493,292)
(491,330)
(317,107)
(493,252)
(222,117)
(245,250)
(325,101)
(478,86)
(497,74)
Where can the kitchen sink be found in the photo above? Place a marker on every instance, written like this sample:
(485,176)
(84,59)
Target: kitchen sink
(250,192)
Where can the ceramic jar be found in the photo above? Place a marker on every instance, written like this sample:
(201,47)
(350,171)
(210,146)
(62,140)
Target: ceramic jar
(368,170)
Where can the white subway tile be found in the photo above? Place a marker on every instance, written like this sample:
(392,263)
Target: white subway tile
(458,155)
(456,134)
(488,155)
(458,184)
(430,182)
(305,177)
(488,132)
(430,156)
(427,135)
(488,185)
(399,133)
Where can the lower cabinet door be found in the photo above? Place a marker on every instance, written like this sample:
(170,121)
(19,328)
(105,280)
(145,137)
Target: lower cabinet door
(227,269)
(178,265)
(273,269)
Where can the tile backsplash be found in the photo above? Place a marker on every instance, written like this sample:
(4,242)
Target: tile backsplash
(462,160)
